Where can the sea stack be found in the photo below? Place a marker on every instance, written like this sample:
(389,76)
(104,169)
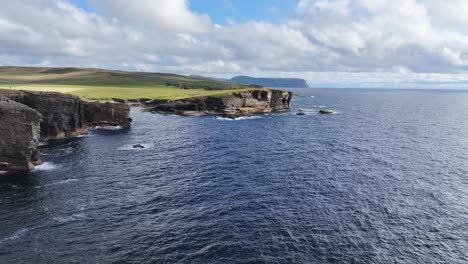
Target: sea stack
(19,137)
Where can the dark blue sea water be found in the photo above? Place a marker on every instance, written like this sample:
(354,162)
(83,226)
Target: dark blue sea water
(384,180)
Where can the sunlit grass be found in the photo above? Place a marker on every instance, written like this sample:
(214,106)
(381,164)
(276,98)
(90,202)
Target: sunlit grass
(107,93)
(95,84)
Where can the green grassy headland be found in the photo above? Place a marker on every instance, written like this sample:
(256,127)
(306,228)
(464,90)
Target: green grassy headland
(97,84)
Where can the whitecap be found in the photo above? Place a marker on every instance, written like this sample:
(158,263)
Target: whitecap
(312,96)
(107,128)
(237,118)
(16,235)
(64,219)
(46,166)
(57,183)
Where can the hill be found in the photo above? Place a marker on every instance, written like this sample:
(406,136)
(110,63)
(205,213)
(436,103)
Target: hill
(100,84)
(270,82)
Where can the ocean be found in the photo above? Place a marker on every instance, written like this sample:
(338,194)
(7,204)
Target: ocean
(383,180)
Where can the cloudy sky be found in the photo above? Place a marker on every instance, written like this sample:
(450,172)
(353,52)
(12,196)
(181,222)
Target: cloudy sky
(345,43)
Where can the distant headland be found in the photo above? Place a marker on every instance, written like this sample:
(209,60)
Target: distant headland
(270,82)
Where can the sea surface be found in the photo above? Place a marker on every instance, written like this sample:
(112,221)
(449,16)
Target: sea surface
(384,180)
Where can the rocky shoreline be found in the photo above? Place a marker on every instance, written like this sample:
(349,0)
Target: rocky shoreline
(245,103)
(30,116)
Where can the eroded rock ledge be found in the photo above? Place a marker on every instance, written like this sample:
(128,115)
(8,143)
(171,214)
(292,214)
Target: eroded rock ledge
(252,102)
(30,116)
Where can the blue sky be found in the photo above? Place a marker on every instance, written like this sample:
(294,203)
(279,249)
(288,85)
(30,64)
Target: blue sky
(244,10)
(220,11)
(328,42)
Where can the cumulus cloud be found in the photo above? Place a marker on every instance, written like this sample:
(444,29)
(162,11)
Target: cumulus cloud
(321,40)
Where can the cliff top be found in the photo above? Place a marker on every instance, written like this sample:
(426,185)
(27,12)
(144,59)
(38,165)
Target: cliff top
(104,85)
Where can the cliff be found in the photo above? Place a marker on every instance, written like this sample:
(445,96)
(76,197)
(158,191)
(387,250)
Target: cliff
(19,137)
(65,115)
(42,115)
(107,114)
(244,103)
(62,114)
(271,82)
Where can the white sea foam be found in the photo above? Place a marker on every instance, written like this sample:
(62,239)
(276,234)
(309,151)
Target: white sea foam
(237,118)
(15,235)
(57,183)
(107,128)
(46,166)
(73,217)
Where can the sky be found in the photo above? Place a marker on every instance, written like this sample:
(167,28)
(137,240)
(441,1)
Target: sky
(330,43)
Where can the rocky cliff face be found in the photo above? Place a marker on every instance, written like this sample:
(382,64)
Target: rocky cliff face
(62,114)
(65,115)
(107,114)
(233,105)
(44,115)
(19,137)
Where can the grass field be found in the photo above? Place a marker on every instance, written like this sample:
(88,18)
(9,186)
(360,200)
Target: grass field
(95,84)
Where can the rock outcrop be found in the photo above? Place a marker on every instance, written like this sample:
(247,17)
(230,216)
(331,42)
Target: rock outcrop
(62,114)
(65,115)
(19,137)
(107,114)
(244,103)
(30,116)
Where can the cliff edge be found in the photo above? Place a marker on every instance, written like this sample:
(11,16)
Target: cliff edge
(65,115)
(244,103)
(27,116)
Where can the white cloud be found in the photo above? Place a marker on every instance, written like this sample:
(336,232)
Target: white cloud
(153,15)
(321,40)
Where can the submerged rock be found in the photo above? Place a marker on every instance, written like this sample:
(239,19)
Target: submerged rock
(300,113)
(138,146)
(19,137)
(326,111)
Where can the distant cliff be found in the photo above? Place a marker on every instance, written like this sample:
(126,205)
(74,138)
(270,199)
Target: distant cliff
(245,103)
(270,82)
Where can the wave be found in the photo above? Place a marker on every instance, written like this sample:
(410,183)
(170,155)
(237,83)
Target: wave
(237,118)
(18,234)
(73,217)
(46,166)
(107,128)
(57,183)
